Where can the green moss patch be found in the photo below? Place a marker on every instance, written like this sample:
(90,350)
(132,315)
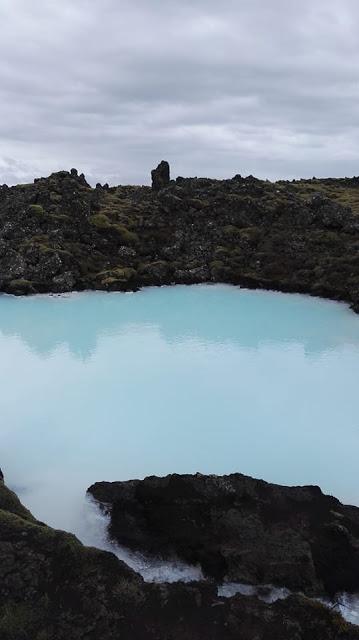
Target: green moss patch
(21,286)
(36,210)
(100,221)
(128,237)
(116,276)
(11,503)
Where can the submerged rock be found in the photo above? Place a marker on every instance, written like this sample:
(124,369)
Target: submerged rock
(240,529)
(53,587)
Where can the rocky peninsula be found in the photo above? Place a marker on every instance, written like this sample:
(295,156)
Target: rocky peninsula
(239,529)
(54,588)
(59,234)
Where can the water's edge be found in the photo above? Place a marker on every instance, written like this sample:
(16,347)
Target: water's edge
(158,570)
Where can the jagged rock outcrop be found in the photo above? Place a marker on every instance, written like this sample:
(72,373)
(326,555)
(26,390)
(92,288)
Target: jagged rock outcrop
(59,234)
(160,176)
(240,529)
(54,588)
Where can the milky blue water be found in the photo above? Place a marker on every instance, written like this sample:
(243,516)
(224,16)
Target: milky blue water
(215,379)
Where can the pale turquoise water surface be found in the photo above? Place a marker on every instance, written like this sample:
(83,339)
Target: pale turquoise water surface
(214,379)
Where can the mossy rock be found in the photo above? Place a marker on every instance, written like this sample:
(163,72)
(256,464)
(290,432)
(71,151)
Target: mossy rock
(41,238)
(144,267)
(11,503)
(59,217)
(128,237)
(44,248)
(221,252)
(36,210)
(55,197)
(47,250)
(217,268)
(231,231)
(216,264)
(110,281)
(100,221)
(118,275)
(196,203)
(21,286)
(124,273)
(250,233)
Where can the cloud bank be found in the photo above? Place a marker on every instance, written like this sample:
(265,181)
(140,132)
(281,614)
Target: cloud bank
(243,86)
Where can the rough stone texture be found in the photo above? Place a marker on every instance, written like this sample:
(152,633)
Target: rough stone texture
(53,588)
(60,234)
(160,176)
(240,529)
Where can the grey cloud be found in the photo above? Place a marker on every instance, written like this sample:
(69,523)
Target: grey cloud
(113,86)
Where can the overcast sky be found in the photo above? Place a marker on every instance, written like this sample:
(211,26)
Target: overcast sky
(111,87)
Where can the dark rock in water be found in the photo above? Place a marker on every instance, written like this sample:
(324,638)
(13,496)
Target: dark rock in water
(53,587)
(160,176)
(240,529)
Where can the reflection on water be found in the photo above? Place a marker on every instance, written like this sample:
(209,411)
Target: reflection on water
(214,379)
(216,314)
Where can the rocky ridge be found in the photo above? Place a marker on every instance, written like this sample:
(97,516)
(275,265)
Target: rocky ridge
(59,234)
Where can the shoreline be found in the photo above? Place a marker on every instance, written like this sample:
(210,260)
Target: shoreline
(239,285)
(60,235)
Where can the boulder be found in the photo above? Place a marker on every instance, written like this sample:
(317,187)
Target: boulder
(239,529)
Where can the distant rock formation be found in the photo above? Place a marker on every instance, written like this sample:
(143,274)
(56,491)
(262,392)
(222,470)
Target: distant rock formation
(160,176)
(60,234)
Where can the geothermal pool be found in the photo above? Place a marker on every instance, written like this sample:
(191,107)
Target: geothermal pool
(216,379)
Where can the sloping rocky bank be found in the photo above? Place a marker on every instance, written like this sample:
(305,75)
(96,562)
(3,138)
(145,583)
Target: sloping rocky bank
(54,588)
(59,234)
(239,529)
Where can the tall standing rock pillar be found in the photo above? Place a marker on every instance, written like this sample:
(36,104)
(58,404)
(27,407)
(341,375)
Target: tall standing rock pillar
(160,176)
